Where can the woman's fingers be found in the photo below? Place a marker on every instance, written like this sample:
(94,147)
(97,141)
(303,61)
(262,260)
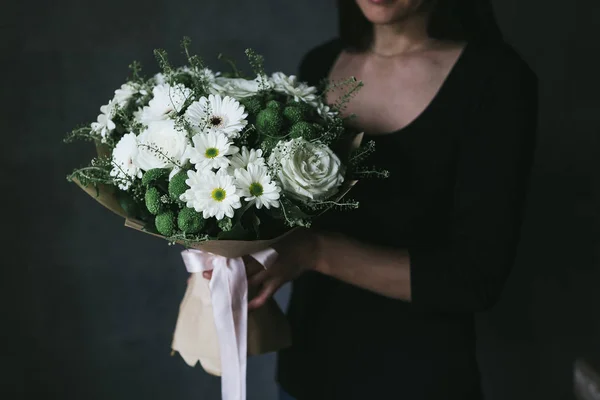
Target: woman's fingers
(268,289)
(258,278)
(252,266)
(207,274)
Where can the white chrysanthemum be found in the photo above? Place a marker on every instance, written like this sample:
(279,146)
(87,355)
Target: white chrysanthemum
(289,85)
(210,150)
(212,194)
(246,157)
(256,186)
(125,93)
(104,124)
(161,145)
(218,114)
(159,79)
(239,88)
(325,111)
(166,99)
(124,169)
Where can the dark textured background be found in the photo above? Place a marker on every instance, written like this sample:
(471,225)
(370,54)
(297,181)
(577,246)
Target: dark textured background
(89,306)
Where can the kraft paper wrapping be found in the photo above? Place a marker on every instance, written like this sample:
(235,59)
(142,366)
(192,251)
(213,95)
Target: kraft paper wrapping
(195,334)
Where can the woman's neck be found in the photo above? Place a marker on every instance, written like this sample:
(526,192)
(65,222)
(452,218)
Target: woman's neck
(405,36)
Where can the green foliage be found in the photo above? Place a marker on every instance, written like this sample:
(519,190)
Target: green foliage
(155,175)
(128,204)
(294,114)
(97,172)
(84,133)
(165,223)
(269,122)
(256,61)
(177,185)
(153,200)
(268,144)
(304,130)
(190,221)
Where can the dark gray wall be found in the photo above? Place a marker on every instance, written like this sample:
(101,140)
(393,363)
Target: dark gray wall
(90,306)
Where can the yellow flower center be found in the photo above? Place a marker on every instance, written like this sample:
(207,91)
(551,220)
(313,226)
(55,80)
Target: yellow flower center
(256,189)
(218,194)
(211,152)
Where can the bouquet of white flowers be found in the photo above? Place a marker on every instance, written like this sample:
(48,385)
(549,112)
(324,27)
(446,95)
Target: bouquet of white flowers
(222,164)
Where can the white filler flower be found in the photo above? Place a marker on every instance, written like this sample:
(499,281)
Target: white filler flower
(161,146)
(166,99)
(217,114)
(210,150)
(307,171)
(212,194)
(124,169)
(256,186)
(104,124)
(289,85)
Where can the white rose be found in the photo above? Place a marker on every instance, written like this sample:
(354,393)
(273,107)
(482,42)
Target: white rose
(124,169)
(238,88)
(161,145)
(307,171)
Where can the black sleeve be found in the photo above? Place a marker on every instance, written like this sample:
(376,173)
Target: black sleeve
(493,171)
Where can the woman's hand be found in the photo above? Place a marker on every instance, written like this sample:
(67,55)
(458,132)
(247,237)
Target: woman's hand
(297,252)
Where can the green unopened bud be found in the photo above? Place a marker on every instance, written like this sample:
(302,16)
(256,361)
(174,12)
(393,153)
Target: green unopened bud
(153,201)
(190,221)
(154,175)
(165,223)
(304,130)
(269,122)
(293,114)
(177,185)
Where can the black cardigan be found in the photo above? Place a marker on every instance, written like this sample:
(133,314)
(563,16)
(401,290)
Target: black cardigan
(458,181)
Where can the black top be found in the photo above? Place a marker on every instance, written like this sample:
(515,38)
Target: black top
(454,199)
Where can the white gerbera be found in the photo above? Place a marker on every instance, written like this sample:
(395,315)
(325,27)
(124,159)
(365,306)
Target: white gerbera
(166,99)
(289,85)
(212,194)
(162,145)
(104,124)
(124,169)
(219,114)
(256,186)
(246,157)
(209,150)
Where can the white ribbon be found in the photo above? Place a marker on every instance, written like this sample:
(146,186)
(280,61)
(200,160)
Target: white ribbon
(229,296)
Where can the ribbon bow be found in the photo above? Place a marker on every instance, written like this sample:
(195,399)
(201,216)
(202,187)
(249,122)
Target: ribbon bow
(229,297)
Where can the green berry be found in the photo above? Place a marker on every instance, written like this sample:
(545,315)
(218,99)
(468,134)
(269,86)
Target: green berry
(293,114)
(190,221)
(275,105)
(152,199)
(177,185)
(165,223)
(304,130)
(269,122)
(153,175)
(305,107)
(253,105)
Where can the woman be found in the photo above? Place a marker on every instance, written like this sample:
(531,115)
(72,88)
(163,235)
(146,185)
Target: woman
(384,297)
